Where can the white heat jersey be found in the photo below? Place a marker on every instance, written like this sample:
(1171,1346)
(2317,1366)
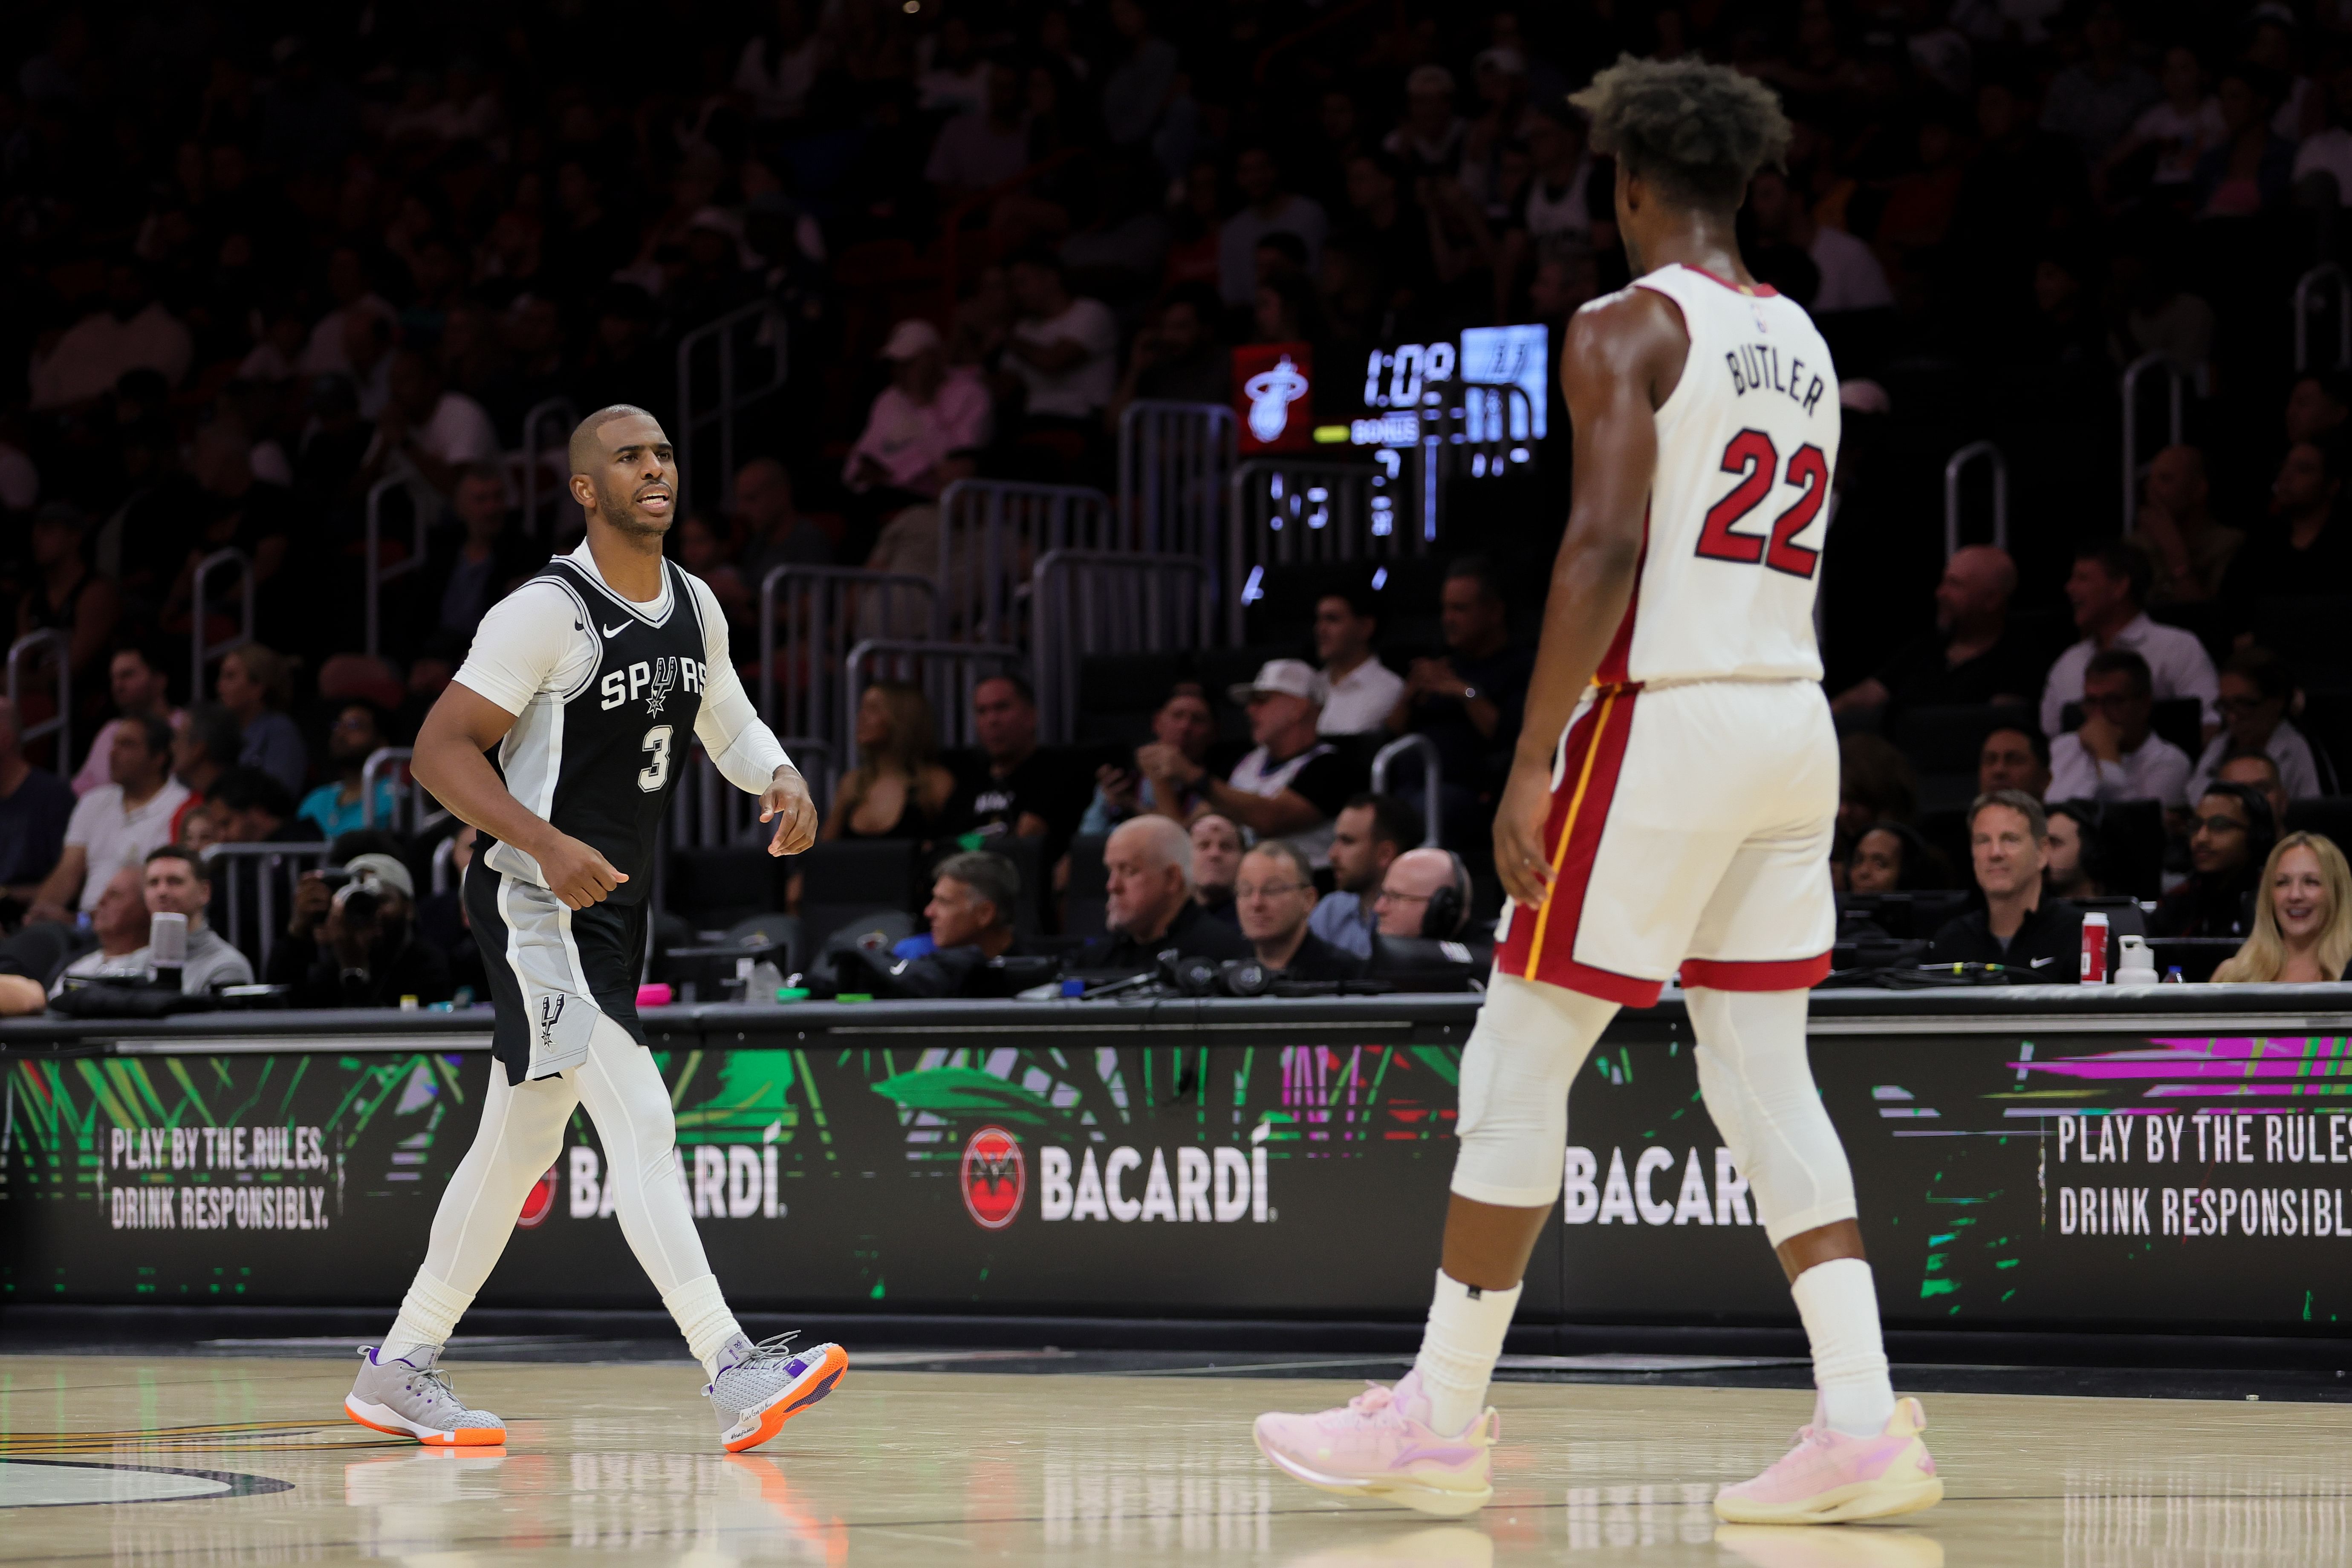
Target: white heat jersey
(1747,444)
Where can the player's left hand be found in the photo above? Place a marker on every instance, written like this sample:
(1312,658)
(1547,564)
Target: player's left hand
(786,803)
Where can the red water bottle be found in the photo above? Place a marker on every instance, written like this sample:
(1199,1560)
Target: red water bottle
(2094,949)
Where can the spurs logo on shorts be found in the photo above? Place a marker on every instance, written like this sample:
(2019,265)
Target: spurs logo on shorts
(550,1012)
(1695,790)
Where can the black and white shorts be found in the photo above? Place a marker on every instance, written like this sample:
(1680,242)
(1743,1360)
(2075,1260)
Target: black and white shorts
(552,969)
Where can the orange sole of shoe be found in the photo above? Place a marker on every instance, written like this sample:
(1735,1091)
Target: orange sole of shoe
(773,1419)
(465,1437)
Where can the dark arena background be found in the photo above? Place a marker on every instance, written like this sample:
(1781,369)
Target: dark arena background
(1077,407)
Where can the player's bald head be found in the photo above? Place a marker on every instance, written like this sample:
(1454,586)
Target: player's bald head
(589,448)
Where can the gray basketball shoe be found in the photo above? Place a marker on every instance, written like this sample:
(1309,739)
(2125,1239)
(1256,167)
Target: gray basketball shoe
(760,1388)
(409,1396)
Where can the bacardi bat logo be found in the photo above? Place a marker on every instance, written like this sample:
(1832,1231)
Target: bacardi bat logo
(994,1177)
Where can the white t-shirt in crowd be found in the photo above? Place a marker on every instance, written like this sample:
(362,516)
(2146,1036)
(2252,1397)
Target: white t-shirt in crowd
(96,350)
(1360,700)
(1085,387)
(2329,152)
(1851,278)
(2158,771)
(2185,138)
(2177,666)
(115,838)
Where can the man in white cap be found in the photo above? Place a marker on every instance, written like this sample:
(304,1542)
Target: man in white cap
(355,946)
(1290,786)
(925,414)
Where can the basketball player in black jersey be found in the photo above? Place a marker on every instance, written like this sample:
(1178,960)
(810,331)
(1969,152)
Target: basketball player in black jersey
(560,739)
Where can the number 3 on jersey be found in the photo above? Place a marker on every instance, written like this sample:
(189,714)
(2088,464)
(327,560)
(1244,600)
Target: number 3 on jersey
(1753,457)
(655,773)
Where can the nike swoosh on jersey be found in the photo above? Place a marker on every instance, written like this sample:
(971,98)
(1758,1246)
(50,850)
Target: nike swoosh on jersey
(616,631)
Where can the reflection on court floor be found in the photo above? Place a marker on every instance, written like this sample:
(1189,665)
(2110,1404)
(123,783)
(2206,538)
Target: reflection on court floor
(179,1462)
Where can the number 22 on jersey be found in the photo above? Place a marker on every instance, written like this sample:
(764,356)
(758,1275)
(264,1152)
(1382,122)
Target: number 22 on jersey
(1751,454)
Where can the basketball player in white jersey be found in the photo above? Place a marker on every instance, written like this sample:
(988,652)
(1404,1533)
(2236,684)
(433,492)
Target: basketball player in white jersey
(1669,809)
(591,682)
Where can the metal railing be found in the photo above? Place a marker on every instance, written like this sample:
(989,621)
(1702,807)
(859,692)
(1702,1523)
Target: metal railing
(414,809)
(1288,510)
(714,813)
(1432,814)
(201,653)
(555,414)
(378,573)
(993,532)
(1174,462)
(2134,468)
(59,643)
(945,671)
(832,608)
(729,399)
(2328,276)
(1956,465)
(444,864)
(253,925)
(1088,601)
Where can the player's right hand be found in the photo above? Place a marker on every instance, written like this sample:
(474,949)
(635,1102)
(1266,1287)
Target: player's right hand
(1519,815)
(577,873)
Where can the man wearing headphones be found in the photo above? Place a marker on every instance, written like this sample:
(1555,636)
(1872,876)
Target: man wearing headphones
(1426,894)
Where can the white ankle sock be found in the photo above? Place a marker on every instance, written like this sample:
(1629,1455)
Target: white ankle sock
(1840,1308)
(428,1316)
(1459,1348)
(703,1318)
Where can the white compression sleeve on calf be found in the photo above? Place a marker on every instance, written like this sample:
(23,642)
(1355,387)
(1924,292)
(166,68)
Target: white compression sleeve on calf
(1530,1041)
(1759,1090)
(428,1315)
(1459,1348)
(702,1316)
(1839,1304)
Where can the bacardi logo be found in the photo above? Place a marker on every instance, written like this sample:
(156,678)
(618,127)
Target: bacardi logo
(995,1177)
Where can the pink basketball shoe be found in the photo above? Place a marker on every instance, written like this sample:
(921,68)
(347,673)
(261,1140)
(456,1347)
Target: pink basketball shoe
(1832,1479)
(1379,1444)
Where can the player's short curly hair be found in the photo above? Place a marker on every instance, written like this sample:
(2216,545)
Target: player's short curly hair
(1698,131)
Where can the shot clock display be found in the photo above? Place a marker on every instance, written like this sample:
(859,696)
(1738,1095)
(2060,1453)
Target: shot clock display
(1402,380)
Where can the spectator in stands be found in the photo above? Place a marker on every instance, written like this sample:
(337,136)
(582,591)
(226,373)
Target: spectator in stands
(1851,278)
(2035,936)
(2115,755)
(336,808)
(898,788)
(2108,588)
(2071,866)
(255,685)
(1275,896)
(1150,907)
(1469,702)
(2256,691)
(118,921)
(1063,350)
(1141,88)
(2321,402)
(981,148)
(65,594)
(772,532)
(969,919)
(132,331)
(136,680)
(2232,835)
(1874,784)
(178,882)
(2257,769)
(116,824)
(2177,131)
(204,747)
(1385,225)
(1216,861)
(2303,919)
(1268,208)
(1358,691)
(1289,785)
(2014,757)
(2094,102)
(1184,722)
(2299,549)
(252,808)
(1414,882)
(1892,859)
(474,565)
(2192,549)
(926,415)
(1369,834)
(1177,358)
(427,434)
(1971,657)
(356,945)
(1017,790)
(35,806)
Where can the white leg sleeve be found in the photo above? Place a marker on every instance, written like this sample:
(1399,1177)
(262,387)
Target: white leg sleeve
(1759,1089)
(520,1136)
(624,1096)
(1530,1041)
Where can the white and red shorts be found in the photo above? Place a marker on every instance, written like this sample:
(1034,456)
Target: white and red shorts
(1690,830)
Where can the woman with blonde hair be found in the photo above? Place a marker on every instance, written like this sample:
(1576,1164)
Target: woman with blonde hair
(898,789)
(2303,918)
(257,684)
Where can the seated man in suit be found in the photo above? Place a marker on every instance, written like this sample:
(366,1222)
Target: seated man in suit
(1148,905)
(2036,938)
(1274,893)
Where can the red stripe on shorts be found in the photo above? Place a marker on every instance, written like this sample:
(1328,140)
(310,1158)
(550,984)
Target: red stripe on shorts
(1544,947)
(1767,975)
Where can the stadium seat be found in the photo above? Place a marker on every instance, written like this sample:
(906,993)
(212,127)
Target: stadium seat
(715,887)
(2329,815)
(2131,837)
(2309,633)
(849,877)
(1083,901)
(1944,743)
(1129,683)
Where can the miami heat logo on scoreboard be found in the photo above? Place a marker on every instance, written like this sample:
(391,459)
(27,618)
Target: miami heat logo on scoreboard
(995,1177)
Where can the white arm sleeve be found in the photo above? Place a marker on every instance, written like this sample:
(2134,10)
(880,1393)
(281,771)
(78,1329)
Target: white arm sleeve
(730,728)
(532,641)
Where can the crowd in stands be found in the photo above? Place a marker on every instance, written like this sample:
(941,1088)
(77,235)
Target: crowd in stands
(268,270)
